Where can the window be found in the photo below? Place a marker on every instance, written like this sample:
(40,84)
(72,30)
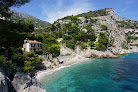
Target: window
(34,45)
(31,45)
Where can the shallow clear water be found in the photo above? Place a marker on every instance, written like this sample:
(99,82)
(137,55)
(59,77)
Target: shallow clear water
(96,75)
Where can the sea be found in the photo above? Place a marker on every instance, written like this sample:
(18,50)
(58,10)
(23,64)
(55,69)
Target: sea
(96,75)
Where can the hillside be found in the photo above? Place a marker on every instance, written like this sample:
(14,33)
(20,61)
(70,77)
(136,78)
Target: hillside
(22,16)
(89,27)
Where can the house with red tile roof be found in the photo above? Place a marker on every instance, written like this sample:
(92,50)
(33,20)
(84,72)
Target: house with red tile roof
(31,45)
(59,39)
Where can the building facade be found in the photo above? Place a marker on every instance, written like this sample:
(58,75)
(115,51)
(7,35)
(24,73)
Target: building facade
(31,45)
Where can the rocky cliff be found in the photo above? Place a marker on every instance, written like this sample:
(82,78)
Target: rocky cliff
(115,31)
(21,83)
(3,82)
(24,83)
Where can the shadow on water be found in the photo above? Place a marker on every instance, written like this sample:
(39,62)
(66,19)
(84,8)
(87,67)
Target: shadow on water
(128,87)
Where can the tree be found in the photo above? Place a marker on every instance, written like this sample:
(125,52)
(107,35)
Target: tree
(50,41)
(90,32)
(47,35)
(4,63)
(71,44)
(53,27)
(29,27)
(54,50)
(6,4)
(103,27)
(102,42)
(31,61)
(82,36)
(92,44)
(73,29)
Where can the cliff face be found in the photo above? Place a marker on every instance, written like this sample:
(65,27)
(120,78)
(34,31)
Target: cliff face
(3,82)
(114,33)
(21,83)
(116,26)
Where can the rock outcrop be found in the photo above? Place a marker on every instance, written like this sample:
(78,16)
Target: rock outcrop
(24,83)
(89,53)
(100,54)
(3,82)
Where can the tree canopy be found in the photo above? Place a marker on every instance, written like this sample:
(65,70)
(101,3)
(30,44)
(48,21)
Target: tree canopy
(102,42)
(6,4)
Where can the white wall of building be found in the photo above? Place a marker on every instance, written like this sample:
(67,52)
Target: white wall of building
(27,46)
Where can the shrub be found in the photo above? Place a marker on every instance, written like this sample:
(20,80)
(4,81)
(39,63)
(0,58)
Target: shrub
(67,54)
(83,46)
(103,27)
(136,45)
(124,46)
(92,44)
(39,52)
(4,63)
(71,44)
(31,61)
(102,42)
(54,50)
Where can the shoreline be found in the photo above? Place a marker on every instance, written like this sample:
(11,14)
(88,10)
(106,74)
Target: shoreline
(75,60)
(68,61)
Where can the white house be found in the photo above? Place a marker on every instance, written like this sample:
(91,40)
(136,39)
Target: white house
(84,29)
(59,39)
(64,21)
(31,45)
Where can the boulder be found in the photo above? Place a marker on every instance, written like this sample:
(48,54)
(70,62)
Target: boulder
(99,54)
(22,82)
(3,82)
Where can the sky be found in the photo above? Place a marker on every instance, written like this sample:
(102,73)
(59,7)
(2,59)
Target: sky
(51,10)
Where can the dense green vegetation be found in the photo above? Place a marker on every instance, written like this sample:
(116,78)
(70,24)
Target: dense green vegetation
(93,13)
(12,37)
(127,25)
(74,35)
(13,34)
(130,37)
(103,27)
(102,42)
(124,45)
(136,45)
(31,61)
(72,18)
(91,44)
(50,44)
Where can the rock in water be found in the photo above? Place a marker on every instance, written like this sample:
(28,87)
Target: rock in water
(23,83)
(3,82)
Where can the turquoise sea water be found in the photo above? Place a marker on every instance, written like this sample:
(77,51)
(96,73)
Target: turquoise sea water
(96,75)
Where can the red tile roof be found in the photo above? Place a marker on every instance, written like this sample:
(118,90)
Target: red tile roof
(59,38)
(31,41)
